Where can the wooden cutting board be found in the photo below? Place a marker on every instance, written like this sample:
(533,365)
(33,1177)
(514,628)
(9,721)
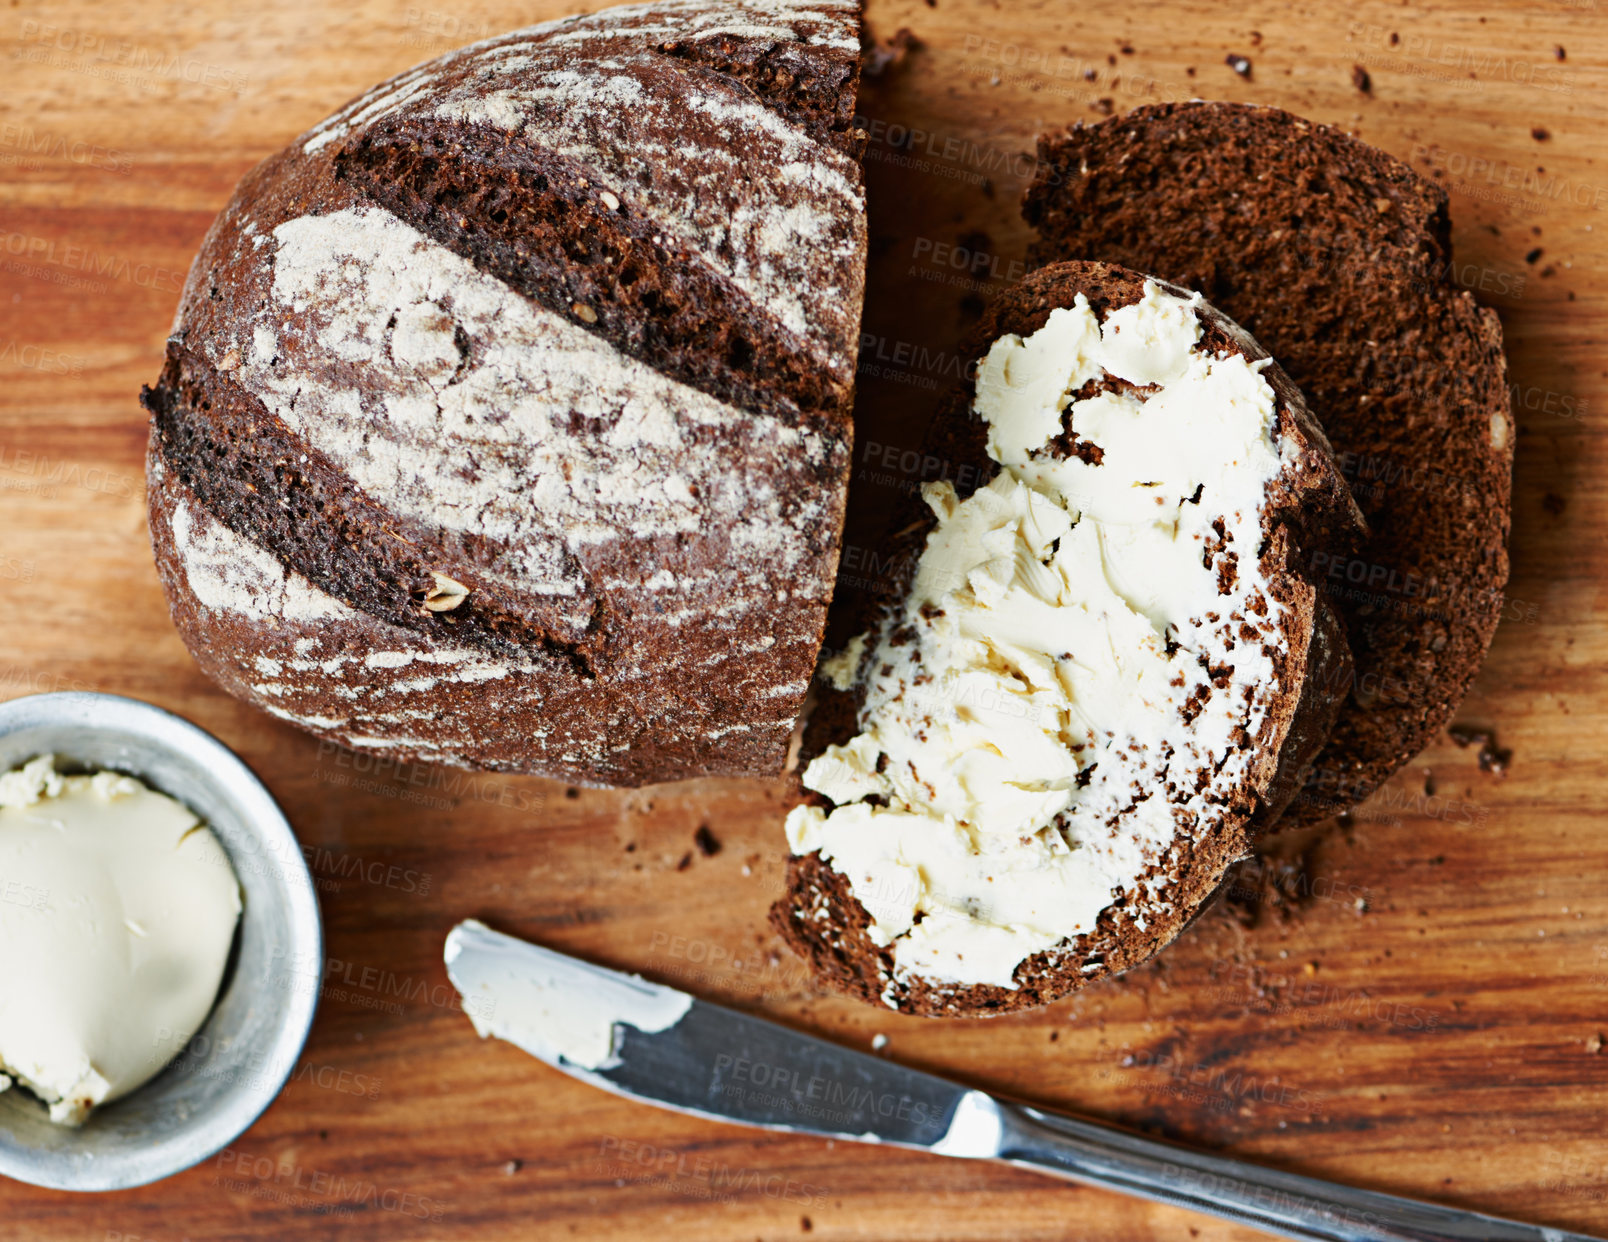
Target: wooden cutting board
(1419,1002)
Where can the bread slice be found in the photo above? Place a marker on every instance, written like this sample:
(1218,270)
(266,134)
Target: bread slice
(1100,670)
(1336,257)
(541,351)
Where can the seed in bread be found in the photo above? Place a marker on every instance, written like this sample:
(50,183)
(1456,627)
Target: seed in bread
(1074,712)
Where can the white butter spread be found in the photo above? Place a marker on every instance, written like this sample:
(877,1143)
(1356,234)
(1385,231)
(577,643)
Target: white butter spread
(117,912)
(1068,689)
(553,1006)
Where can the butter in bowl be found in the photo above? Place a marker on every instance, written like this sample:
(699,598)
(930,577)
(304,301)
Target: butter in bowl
(161,943)
(118,909)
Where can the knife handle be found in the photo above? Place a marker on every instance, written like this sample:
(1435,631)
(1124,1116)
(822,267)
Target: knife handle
(1286,1204)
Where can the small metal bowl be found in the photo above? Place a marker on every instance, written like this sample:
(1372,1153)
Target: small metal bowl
(237,1063)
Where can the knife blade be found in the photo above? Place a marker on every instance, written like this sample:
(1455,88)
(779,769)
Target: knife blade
(653,1043)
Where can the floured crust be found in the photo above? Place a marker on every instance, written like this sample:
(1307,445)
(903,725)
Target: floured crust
(1307,503)
(1337,257)
(268,635)
(483,326)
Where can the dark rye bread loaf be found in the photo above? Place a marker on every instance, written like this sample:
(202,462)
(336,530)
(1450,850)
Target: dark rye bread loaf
(505,420)
(1307,506)
(1336,257)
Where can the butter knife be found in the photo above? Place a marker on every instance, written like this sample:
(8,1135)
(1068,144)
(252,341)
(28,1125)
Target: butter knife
(653,1043)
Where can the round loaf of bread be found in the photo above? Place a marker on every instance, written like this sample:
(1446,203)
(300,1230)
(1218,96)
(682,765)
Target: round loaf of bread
(505,418)
(1101,670)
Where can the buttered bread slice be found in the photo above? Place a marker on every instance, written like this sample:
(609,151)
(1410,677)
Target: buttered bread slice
(1103,669)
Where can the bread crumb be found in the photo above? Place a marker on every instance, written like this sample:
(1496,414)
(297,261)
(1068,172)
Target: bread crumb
(1493,758)
(886,54)
(879,1041)
(1361,79)
(584,312)
(1594,1044)
(1239,64)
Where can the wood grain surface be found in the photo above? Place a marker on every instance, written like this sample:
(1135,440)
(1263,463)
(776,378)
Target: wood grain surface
(1414,1001)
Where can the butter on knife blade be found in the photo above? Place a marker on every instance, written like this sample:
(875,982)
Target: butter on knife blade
(659,1045)
(550,1005)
